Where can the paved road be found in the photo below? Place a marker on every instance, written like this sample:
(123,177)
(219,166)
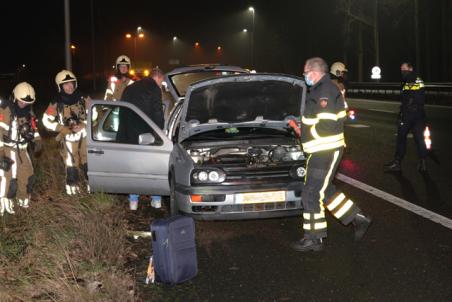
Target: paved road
(404,257)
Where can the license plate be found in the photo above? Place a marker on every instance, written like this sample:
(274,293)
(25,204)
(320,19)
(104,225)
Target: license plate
(261,197)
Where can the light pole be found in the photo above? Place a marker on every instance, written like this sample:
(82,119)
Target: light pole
(251,9)
(139,33)
(67,34)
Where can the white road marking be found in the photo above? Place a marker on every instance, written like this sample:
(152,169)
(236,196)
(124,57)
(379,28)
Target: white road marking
(381,110)
(357,126)
(444,221)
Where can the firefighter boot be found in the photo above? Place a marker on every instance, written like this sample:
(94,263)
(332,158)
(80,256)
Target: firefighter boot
(6,206)
(361,223)
(306,244)
(393,166)
(422,166)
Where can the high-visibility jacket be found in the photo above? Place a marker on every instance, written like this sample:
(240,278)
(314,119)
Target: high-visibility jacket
(58,116)
(323,119)
(412,95)
(116,87)
(18,126)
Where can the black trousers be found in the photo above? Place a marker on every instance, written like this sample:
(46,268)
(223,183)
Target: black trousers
(414,122)
(320,193)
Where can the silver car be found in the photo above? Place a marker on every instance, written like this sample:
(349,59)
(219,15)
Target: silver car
(226,151)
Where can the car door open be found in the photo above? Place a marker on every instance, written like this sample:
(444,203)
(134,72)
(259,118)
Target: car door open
(127,152)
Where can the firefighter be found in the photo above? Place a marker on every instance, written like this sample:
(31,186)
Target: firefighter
(322,138)
(18,128)
(120,80)
(338,73)
(67,116)
(411,118)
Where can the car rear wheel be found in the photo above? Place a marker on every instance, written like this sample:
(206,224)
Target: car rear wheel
(173,204)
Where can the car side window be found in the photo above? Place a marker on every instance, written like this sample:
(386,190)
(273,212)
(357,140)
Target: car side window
(118,124)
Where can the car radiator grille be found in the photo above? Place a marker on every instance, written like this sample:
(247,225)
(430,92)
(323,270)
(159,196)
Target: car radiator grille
(257,207)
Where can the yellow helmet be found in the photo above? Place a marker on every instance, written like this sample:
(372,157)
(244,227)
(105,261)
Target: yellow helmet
(65,76)
(24,92)
(337,68)
(123,60)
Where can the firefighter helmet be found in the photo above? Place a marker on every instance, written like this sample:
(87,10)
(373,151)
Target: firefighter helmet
(65,76)
(123,60)
(337,68)
(24,92)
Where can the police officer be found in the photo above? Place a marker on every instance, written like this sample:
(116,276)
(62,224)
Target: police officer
(18,128)
(322,138)
(67,116)
(120,80)
(411,118)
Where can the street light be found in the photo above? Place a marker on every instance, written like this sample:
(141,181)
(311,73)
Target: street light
(139,33)
(245,30)
(251,9)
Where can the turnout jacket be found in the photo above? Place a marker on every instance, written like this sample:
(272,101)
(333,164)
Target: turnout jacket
(18,126)
(64,110)
(323,119)
(116,86)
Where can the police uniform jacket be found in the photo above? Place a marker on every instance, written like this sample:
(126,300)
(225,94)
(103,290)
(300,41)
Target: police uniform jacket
(412,95)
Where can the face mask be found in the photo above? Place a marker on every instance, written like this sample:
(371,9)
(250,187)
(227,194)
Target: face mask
(308,80)
(405,74)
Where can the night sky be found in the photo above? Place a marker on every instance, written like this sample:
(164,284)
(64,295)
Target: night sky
(287,32)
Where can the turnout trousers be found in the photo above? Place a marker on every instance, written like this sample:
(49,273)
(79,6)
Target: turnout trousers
(18,181)
(75,159)
(319,194)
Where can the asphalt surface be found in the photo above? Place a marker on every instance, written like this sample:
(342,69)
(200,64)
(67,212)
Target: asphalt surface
(403,257)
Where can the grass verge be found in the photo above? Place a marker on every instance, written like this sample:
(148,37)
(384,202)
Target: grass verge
(64,248)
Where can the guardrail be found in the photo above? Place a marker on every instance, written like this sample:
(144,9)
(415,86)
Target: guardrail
(436,93)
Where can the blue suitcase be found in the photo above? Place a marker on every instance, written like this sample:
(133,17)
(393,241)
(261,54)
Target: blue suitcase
(174,249)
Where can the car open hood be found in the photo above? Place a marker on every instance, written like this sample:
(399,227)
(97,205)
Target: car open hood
(190,74)
(245,100)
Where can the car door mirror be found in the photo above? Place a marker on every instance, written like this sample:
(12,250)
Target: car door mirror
(146,139)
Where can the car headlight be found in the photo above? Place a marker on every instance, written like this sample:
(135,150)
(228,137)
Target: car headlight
(202,176)
(206,176)
(301,172)
(297,172)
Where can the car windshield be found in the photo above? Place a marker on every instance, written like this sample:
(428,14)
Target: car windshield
(183,80)
(235,102)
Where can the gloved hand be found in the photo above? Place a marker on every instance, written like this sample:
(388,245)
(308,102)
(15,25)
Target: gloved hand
(293,124)
(6,163)
(78,127)
(64,131)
